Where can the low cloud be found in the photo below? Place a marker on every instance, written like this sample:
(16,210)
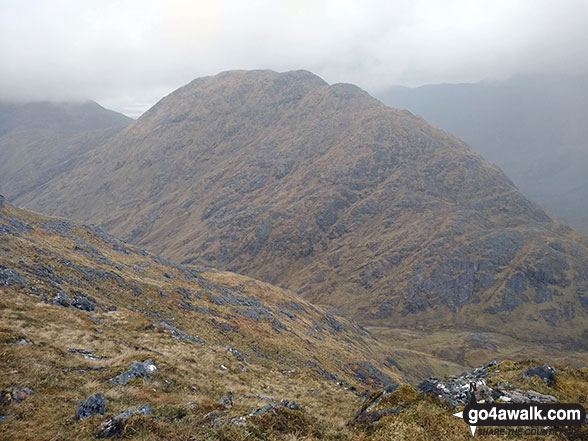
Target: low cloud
(127,54)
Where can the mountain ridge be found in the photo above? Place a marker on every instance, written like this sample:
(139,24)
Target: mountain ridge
(326,191)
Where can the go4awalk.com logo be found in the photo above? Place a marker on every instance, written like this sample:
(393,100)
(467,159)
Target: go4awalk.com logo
(551,417)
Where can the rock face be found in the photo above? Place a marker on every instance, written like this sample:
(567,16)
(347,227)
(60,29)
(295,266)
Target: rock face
(93,405)
(324,190)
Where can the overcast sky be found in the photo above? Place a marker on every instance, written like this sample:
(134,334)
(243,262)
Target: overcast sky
(128,54)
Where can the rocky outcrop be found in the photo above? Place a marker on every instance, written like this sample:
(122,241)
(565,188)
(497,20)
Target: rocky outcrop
(375,408)
(9,277)
(286,404)
(456,390)
(179,334)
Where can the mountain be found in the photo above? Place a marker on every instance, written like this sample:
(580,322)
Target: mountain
(534,127)
(326,191)
(39,139)
(100,338)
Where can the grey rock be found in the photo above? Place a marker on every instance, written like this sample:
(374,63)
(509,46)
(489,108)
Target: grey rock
(9,277)
(546,373)
(186,305)
(376,415)
(215,417)
(529,396)
(15,224)
(235,352)
(242,420)
(21,342)
(95,404)
(227,400)
(145,409)
(455,390)
(366,371)
(138,369)
(16,394)
(84,302)
(60,226)
(61,299)
(179,334)
(113,425)
(87,354)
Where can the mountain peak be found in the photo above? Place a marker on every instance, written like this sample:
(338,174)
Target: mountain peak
(325,191)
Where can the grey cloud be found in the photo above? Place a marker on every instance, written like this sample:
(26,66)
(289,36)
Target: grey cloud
(126,54)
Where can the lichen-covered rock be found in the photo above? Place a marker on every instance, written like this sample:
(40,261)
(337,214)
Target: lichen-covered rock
(138,369)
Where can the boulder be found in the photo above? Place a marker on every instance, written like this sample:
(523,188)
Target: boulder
(546,373)
(137,369)
(93,405)
(15,394)
(227,400)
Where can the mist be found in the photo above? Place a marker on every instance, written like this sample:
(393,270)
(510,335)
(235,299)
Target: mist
(128,54)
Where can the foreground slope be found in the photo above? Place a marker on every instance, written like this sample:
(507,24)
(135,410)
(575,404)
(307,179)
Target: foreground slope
(326,191)
(40,139)
(532,126)
(77,307)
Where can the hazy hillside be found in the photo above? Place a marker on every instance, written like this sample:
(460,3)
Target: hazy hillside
(38,140)
(324,190)
(534,127)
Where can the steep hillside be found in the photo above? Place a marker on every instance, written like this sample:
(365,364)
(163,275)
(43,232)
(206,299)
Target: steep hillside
(533,127)
(76,306)
(99,338)
(326,191)
(39,140)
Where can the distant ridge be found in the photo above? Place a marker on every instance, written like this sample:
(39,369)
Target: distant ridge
(39,139)
(532,126)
